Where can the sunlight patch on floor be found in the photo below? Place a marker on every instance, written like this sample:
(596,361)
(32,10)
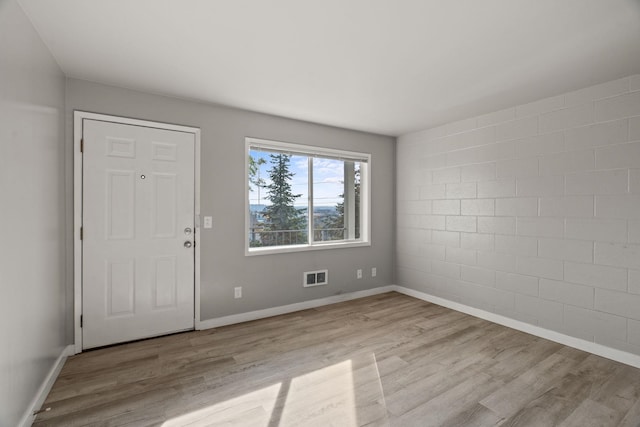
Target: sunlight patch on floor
(347,393)
(254,407)
(322,397)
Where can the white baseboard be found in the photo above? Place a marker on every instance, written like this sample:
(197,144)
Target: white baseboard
(284,309)
(45,387)
(580,344)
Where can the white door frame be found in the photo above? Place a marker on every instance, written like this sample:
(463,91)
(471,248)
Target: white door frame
(78,117)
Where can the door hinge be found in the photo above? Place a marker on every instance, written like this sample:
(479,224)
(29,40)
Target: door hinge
(81,322)
(82,145)
(81,233)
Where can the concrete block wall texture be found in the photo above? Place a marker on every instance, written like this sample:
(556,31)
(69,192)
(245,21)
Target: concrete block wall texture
(532,212)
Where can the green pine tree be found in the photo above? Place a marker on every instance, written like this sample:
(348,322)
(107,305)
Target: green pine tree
(254,168)
(281,214)
(257,182)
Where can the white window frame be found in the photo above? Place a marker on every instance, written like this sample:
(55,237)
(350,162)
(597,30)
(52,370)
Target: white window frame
(312,151)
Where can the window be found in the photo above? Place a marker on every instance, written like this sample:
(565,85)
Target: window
(303,198)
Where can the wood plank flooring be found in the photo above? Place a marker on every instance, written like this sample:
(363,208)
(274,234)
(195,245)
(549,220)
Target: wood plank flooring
(378,361)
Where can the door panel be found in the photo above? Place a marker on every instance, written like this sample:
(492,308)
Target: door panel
(165,283)
(120,204)
(138,199)
(120,287)
(164,205)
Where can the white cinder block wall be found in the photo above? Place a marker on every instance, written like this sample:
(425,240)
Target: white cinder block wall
(532,213)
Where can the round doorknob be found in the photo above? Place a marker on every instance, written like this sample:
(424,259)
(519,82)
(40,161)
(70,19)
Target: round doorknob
(188,244)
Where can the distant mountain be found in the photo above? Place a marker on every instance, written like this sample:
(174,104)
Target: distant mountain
(326,210)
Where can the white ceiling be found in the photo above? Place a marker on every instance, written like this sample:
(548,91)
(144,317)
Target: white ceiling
(385,66)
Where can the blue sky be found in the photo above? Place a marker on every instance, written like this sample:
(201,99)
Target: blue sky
(328,177)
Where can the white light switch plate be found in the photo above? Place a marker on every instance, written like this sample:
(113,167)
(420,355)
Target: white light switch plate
(208,222)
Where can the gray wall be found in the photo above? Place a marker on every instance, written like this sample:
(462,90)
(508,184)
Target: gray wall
(532,212)
(267,280)
(32,252)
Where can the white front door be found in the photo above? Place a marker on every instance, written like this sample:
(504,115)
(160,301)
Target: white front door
(138,232)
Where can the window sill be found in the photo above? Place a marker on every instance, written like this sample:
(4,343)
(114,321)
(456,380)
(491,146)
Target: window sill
(303,248)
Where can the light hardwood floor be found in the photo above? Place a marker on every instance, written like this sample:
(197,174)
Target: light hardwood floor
(383,360)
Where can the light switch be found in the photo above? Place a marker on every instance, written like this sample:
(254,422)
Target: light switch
(208,222)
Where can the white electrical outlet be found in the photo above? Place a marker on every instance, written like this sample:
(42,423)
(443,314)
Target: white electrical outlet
(374,271)
(359,273)
(237,292)
(208,222)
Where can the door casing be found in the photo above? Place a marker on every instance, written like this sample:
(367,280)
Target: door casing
(78,119)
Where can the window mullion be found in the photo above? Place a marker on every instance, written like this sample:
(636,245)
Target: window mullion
(310,218)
